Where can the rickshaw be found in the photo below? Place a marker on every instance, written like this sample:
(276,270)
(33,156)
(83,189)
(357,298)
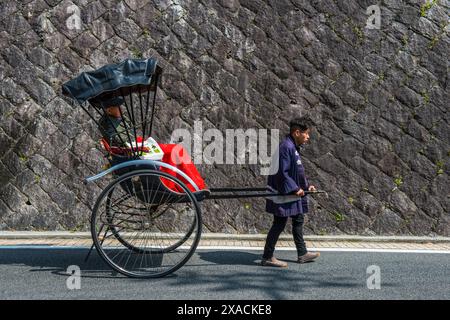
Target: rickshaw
(147,222)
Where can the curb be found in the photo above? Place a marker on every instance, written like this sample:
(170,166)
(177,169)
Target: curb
(6,235)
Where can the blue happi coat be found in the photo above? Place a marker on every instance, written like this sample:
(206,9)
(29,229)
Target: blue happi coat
(289,178)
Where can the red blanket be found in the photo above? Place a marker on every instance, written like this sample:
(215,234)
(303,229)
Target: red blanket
(177,156)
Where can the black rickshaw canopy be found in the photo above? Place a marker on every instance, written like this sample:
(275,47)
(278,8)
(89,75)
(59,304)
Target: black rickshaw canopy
(113,80)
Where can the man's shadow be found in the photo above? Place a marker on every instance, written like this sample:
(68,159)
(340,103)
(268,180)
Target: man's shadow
(236,258)
(230,257)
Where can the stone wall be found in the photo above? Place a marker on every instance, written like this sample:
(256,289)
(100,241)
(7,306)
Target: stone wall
(379,98)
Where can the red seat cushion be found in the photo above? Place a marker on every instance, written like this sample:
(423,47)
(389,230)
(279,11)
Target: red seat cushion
(175,155)
(122,151)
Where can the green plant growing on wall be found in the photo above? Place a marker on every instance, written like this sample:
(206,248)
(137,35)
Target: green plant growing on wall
(366,98)
(381,77)
(398,181)
(440,165)
(9,114)
(405,40)
(426,6)
(22,157)
(351,200)
(338,216)
(433,42)
(136,53)
(425,96)
(358,33)
(37,178)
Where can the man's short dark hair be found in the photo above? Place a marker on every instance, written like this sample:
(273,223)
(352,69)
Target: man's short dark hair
(302,123)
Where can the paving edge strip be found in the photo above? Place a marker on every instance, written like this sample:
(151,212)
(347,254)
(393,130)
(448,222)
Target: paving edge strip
(10,235)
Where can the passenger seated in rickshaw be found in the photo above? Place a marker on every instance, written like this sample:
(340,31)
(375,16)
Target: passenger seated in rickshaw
(111,124)
(114,133)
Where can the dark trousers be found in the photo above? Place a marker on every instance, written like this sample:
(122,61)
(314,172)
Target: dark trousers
(279,223)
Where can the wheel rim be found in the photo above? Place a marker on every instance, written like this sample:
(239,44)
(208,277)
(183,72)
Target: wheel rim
(142,229)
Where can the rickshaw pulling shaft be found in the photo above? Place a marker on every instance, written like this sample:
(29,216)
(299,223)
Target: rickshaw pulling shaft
(213,194)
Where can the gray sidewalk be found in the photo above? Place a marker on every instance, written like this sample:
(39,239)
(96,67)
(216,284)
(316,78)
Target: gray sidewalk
(83,239)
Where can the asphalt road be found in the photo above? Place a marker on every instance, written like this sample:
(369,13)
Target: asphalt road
(223,274)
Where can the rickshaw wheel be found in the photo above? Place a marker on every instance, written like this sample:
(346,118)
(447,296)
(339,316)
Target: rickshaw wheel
(169,248)
(139,226)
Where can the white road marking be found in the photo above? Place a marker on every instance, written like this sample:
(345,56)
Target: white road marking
(243,248)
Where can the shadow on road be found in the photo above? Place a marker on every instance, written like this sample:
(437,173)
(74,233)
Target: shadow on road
(57,261)
(273,283)
(210,274)
(230,257)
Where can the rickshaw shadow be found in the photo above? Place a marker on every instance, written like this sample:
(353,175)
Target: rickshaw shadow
(58,261)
